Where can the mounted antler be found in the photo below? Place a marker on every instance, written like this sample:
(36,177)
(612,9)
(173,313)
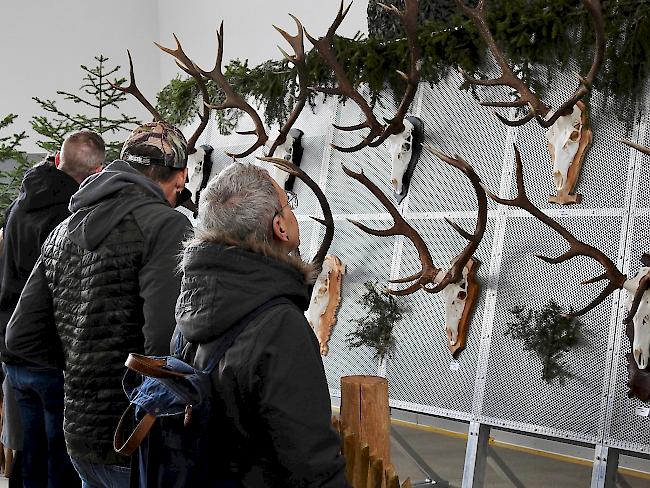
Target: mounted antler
(133,89)
(576,247)
(429,272)
(186,64)
(298,59)
(525,97)
(327,220)
(234,100)
(378,131)
(636,146)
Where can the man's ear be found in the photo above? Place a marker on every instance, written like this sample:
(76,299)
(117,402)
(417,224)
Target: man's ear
(279,228)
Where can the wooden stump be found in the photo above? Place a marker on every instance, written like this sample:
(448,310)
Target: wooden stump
(365,413)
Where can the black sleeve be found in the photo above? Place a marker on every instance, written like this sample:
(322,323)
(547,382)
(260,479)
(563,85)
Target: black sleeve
(31,331)
(295,412)
(160,279)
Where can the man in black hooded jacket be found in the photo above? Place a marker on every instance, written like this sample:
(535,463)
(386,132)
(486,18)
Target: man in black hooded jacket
(105,285)
(41,205)
(273,410)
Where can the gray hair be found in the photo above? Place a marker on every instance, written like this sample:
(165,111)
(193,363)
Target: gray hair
(239,205)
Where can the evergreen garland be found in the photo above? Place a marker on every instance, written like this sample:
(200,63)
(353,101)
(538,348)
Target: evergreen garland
(534,34)
(548,333)
(375,330)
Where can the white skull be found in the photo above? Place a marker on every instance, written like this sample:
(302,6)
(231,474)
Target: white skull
(195,172)
(400,147)
(319,297)
(641,345)
(283,151)
(563,142)
(455,296)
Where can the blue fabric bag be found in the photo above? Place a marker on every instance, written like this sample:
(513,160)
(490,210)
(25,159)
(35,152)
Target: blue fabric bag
(171,403)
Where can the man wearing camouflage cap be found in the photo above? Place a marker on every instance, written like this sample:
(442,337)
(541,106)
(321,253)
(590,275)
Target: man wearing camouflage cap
(106,285)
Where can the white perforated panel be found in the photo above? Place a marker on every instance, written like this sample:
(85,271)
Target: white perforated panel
(496,382)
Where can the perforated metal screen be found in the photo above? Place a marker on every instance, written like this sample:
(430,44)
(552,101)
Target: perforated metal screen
(494,381)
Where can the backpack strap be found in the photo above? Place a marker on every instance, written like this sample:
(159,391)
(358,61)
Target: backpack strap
(229,337)
(154,367)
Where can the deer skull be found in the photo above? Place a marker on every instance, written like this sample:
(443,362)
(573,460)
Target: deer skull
(195,172)
(400,147)
(325,300)
(641,345)
(563,142)
(455,296)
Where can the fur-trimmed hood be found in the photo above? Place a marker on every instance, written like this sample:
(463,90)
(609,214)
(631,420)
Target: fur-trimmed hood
(223,281)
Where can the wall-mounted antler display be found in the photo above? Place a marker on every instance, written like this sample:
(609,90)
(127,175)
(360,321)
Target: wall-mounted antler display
(404,134)
(568,133)
(234,100)
(638,305)
(636,146)
(459,278)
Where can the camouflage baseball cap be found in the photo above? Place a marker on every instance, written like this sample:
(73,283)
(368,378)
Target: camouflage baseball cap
(156,143)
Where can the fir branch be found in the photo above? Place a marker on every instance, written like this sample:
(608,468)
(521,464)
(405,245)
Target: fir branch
(548,333)
(375,330)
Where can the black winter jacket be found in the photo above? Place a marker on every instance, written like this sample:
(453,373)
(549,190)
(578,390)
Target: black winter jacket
(105,285)
(41,205)
(274,409)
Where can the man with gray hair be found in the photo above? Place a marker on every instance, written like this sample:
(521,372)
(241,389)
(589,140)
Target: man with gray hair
(272,406)
(41,205)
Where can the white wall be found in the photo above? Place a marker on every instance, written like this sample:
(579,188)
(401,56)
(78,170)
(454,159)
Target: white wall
(42,43)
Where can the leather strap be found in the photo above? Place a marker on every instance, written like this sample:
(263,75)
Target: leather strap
(137,436)
(149,366)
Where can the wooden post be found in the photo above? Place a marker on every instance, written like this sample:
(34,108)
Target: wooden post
(365,412)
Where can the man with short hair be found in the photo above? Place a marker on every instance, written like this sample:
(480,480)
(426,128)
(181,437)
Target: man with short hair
(104,286)
(272,405)
(41,205)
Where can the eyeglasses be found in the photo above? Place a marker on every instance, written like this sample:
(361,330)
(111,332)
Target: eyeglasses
(292,200)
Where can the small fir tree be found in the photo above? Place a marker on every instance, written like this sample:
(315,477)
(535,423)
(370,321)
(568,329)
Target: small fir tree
(12,177)
(99,98)
(375,330)
(548,333)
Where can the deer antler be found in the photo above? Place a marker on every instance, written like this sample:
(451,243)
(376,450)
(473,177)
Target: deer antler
(525,97)
(378,131)
(234,100)
(576,248)
(428,273)
(636,146)
(327,220)
(298,59)
(133,89)
(186,64)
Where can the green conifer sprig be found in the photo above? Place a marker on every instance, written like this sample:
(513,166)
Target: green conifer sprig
(375,330)
(11,178)
(547,333)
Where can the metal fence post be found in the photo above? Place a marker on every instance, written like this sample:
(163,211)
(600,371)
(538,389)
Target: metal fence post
(476,455)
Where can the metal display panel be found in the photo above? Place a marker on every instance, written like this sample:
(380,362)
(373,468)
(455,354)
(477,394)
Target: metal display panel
(423,376)
(516,396)
(497,382)
(365,259)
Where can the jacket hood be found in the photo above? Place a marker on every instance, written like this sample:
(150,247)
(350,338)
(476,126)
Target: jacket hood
(223,281)
(95,212)
(44,186)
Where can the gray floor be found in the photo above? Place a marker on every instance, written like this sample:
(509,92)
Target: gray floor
(442,454)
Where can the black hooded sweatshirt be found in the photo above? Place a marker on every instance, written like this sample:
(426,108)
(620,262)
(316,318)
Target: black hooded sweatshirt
(273,405)
(41,205)
(105,285)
